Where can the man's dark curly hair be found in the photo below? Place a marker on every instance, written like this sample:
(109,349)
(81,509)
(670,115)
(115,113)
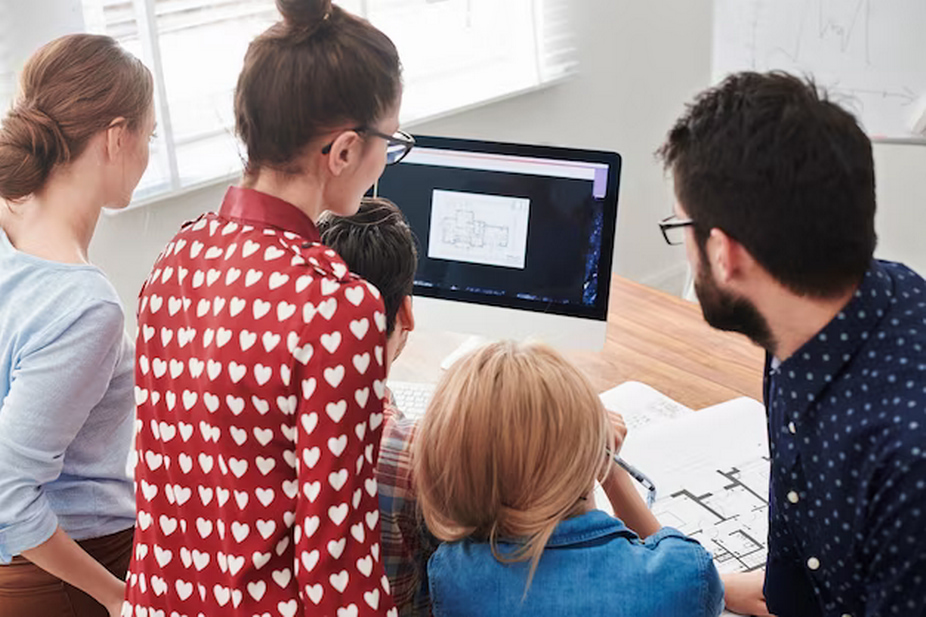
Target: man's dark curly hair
(787,173)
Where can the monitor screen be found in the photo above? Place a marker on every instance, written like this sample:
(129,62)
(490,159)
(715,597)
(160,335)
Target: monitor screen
(525,227)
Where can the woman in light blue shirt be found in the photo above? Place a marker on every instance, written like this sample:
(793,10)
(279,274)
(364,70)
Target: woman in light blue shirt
(75,142)
(505,462)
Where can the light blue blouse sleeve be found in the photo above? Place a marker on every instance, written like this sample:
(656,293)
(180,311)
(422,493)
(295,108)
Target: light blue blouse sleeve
(61,374)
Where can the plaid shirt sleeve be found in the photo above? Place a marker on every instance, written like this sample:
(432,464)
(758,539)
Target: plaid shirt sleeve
(406,543)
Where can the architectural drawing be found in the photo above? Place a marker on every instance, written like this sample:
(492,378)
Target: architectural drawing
(476,228)
(711,471)
(642,406)
(727,514)
(464,231)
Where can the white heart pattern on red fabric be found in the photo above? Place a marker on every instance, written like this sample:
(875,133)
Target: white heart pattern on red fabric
(248,406)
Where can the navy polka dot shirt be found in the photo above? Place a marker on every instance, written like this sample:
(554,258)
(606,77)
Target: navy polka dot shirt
(847,432)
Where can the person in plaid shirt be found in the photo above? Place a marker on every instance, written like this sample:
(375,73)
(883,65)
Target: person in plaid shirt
(377,244)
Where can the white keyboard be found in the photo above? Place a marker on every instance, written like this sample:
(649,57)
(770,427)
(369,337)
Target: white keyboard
(411,397)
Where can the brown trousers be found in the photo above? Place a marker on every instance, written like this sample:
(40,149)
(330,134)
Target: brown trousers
(29,591)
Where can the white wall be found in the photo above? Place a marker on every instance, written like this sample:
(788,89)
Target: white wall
(641,61)
(900,173)
(28,25)
(24,27)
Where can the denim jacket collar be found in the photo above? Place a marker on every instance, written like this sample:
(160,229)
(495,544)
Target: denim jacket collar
(586,527)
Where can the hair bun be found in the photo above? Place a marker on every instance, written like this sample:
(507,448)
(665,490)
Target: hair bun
(304,14)
(31,144)
(42,135)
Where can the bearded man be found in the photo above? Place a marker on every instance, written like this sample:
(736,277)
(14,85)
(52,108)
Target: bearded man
(775,192)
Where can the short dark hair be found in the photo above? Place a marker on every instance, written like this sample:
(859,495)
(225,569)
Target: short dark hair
(377,244)
(787,173)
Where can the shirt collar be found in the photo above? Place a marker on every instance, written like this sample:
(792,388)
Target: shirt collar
(811,369)
(262,209)
(586,527)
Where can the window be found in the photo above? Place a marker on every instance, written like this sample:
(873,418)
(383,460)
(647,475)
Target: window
(195,49)
(455,54)
(7,87)
(7,77)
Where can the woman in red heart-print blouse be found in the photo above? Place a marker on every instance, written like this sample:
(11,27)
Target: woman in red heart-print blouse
(259,362)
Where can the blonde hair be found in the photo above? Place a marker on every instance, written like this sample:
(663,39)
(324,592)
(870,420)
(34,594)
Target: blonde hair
(513,439)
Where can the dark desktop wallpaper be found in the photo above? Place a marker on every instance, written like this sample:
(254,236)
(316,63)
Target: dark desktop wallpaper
(564,234)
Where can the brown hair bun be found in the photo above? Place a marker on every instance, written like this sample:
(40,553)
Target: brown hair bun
(304,14)
(31,144)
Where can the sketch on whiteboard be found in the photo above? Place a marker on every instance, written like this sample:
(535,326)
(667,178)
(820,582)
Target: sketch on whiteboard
(477,228)
(842,25)
(865,53)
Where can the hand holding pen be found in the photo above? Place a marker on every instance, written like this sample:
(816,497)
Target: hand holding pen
(640,477)
(620,486)
(620,433)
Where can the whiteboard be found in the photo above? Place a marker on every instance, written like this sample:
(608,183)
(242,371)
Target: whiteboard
(869,54)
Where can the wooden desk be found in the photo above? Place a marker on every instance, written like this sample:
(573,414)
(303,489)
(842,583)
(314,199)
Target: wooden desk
(653,337)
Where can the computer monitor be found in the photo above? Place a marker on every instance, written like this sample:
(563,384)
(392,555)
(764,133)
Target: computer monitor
(515,241)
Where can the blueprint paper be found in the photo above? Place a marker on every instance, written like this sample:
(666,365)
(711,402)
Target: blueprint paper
(711,471)
(641,405)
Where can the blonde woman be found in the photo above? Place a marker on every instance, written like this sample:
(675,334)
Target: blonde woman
(505,462)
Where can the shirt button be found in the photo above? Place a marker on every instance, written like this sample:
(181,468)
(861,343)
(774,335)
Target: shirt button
(792,428)
(813,563)
(792,497)
(306,245)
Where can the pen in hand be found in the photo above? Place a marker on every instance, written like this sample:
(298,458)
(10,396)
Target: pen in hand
(640,477)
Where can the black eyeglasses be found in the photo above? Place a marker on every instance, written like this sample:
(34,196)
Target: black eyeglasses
(671,228)
(398,145)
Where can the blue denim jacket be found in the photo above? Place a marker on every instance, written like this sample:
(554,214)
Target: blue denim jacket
(592,565)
